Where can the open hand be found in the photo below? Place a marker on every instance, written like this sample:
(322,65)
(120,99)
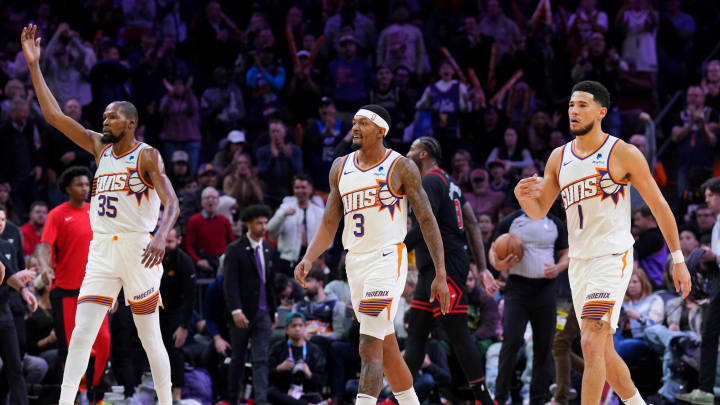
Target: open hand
(30,45)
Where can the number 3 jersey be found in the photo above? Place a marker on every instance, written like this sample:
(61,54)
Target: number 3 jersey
(596,203)
(375,214)
(122,200)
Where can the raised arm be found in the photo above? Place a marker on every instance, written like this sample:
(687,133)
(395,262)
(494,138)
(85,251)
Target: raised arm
(152,168)
(86,139)
(537,194)
(328,225)
(630,161)
(407,176)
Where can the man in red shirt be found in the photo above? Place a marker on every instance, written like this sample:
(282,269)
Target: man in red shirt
(33,228)
(65,243)
(208,234)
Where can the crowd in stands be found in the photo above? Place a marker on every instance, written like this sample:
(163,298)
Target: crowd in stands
(250,102)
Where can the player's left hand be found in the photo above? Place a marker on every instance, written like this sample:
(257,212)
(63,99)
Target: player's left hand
(179,336)
(681,278)
(301,271)
(29,299)
(154,252)
(439,289)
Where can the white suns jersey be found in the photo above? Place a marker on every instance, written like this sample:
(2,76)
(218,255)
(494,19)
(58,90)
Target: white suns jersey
(375,214)
(597,204)
(122,200)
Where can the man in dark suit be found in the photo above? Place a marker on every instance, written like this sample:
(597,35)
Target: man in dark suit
(249,271)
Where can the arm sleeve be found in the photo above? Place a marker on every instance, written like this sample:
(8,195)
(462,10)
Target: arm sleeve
(231,270)
(275,225)
(50,230)
(493,156)
(190,236)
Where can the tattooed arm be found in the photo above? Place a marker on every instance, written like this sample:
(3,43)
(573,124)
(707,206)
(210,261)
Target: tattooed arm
(406,178)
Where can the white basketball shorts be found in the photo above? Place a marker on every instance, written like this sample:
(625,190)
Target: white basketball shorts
(377,280)
(598,286)
(114,261)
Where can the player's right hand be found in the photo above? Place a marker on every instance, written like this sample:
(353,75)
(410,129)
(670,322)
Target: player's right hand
(529,188)
(240,320)
(681,278)
(301,271)
(30,45)
(439,289)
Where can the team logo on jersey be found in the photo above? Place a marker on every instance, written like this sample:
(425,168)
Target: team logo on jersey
(129,182)
(601,184)
(375,196)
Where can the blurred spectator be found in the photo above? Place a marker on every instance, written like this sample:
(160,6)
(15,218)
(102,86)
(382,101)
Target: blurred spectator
(172,24)
(192,202)
(108,78)
(265,80)
(14,88)
(388,95)
(364,27)
(585,22)
(504,30)
(305,86)
(482,198)
(472,48)
(295,223)
(177,288)
(23,157)
(689,240)
(596,62)
(402,43)
(64,65)
(233,145)
(181,116)
(498,177)
(216,319)
(277,163)
(511,154)
(711,84)
(650,248)
(33,229)
(642,308)
(705,220)
(297,367)
(66,153)
(41,338)
(222,107)
(250,266)
(217,38)
(323,139)
(241,183)
(638,21)
(483,316)
(647,145)
(461,167)
(139,15)
(326,315)
(447,99)
(208,234)
(349,76)
(695,133)
(179,172)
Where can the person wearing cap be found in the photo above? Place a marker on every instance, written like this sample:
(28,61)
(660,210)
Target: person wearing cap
(278,162)
(250,266)
(179,172)
(322,141)
(350,76)
(402,43)
(234,144)
(305,86)
(327,315)
(297,366)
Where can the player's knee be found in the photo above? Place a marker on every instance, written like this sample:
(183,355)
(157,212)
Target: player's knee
(370,348)
(593,339)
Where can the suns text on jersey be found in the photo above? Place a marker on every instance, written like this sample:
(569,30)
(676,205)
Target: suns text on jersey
(110,182)
(582,189)
(361,199)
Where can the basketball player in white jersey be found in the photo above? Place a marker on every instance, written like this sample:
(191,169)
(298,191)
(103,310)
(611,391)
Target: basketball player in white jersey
(370,188)
(593,175)
(128,188)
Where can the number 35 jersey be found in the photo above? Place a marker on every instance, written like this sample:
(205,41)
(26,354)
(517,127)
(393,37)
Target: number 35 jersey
(596,203)
(122,200)
(375,214)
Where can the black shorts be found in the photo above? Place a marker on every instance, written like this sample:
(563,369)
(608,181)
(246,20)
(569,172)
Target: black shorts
(456,267)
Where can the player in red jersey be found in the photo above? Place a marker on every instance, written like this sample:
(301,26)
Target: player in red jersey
(66,236)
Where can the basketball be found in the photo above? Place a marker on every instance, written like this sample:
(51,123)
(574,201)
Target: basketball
(386,197)
(508,243)
(608,185)
(135,184)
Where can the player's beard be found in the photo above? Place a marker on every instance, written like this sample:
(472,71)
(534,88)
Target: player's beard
(355,146)
(583,130)
(107,139)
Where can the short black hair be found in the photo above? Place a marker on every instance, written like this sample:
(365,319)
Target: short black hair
(431,146)
(644,211)
(319,275)
(38,204)
(379,110)
(256,211)
(302,177)
(67,177)
(689,228)
(600,93)
(712,184)
(127,109)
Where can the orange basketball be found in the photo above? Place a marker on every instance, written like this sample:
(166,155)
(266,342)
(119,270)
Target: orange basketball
(508,243)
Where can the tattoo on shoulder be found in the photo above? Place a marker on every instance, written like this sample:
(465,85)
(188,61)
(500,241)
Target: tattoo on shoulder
(408,176)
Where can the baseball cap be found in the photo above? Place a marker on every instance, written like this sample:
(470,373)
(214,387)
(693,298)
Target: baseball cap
(205,168)
(303,53)
(292,315)
(326,101)
(180,156)
(236,136)
(347,37)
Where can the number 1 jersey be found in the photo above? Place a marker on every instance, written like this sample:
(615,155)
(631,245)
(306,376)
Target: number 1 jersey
(122,200)
(375,214)
(596,203)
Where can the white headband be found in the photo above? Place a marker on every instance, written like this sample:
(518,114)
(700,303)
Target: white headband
(376,119)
